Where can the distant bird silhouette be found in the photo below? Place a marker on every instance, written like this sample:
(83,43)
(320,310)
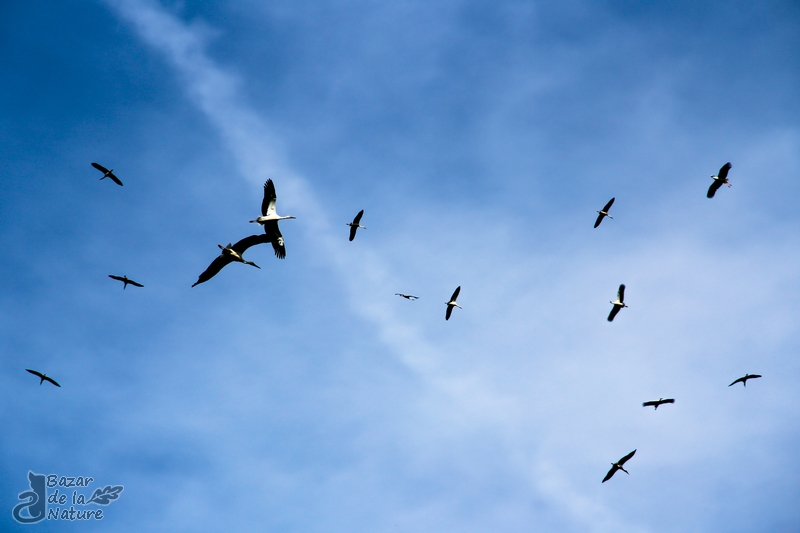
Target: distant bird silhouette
(452,303)
(604,213)
(743,379)
(126,281)
(107,173)
(269,219)
(656,403)
(232,254)
(618,466)
(355,224)
(42,377)
(719,180)
(618,304)
(407,296)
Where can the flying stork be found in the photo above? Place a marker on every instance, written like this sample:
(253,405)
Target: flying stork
(232,254)
(43,377)
(107,173)
(619,304)
(126,281)
(719,180)
(355,224)
(407,296)
(618,466)
(656,403)
(452,303)
(604,213)
(743,379)
(269,220)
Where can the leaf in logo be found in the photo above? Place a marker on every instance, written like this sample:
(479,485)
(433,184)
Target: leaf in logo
(105,495)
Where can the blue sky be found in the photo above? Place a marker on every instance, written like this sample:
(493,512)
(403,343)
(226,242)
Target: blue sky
(479,138)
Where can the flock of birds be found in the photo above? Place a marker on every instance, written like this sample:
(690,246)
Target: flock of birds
(233,253)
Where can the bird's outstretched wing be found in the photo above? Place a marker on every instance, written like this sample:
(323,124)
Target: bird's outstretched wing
(723,172)
(268,203)
(214,268)
(35,373)
(622,461)
(274,232)
(449,312)
(753,376)
(134,283)
(651,403)
(668,400)
(241,246)
(118,278)
(100,167)
(609,204)
(621,294)
(740,380)
(600,218)
(51,380)
(455,294)
(357,220)
(712,190)
(353,230)
(116,179)
(613,313)
(610,473)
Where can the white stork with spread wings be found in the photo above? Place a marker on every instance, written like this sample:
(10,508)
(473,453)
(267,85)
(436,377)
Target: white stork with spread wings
(618,304)
(269,219)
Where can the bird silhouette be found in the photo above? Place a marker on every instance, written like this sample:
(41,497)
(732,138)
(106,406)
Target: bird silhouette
(43,377)
(452,303)
(618,304)
(107,173)
(743,379)
(720,179)
(604,213)
(618,466)
(656,403)
(126,281)
(407,296)
(355,224)
(230,254)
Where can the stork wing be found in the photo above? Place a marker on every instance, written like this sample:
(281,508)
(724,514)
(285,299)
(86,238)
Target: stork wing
(610,473)
(753,376)
(599,219)
(100,167)
(241,246)
(609,204)
(268,203)
(740,380)
(357,220)
(273,233)
(118,278)
(135,284)
(723,172)
(214,268)
(613,313)
(622,461)
(621,294)
(713,189)
(652,403)
(116,179)
(353,230)
(455,294)
(35,373)
(668,400)
(51,380)
(449,312)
